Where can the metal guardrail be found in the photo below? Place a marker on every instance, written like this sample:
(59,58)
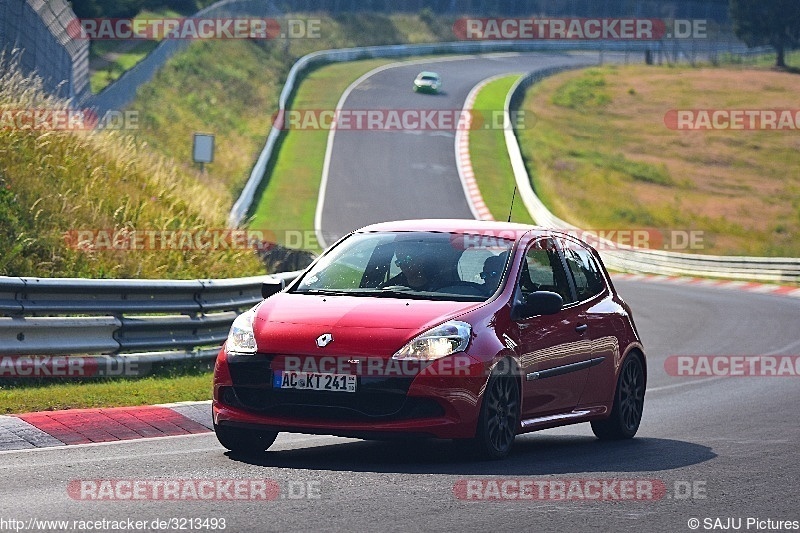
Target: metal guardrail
(639,260)
(146,320)
(36,35)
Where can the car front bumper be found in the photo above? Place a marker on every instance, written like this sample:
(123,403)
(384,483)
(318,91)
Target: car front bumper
(442,401)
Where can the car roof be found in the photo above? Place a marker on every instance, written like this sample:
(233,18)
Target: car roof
(466,226)
(427,73)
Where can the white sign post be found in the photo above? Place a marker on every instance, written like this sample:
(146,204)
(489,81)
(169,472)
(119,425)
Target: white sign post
(203,149)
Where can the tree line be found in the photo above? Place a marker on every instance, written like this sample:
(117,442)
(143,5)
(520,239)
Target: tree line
(130,8)
(755,22)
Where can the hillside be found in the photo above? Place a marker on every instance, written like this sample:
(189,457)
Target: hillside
(606,153)
(57,183)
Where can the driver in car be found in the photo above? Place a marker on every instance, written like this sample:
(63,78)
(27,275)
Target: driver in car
(417,268)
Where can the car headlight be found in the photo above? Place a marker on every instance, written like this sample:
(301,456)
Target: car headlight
(241,339)
(443,340)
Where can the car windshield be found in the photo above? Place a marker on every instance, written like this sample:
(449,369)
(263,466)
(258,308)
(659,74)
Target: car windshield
(428,78)
(422,265)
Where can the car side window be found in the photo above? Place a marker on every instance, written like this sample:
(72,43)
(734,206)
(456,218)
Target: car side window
(542,270)
(585,271)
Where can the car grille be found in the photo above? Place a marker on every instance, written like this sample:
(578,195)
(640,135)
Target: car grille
(376,398)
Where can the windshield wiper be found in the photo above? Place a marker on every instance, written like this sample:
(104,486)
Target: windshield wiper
(393,291)
(406,292)
(326,292)
(390,291)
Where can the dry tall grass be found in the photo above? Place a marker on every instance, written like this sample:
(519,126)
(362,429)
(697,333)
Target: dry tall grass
(53,182)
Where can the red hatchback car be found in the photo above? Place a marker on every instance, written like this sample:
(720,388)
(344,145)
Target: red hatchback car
(456,329)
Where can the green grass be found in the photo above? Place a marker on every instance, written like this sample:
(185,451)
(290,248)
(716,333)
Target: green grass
(762,60)
(601,156)
(126,54)
(297,170)
(125,60)
(489,154)
(585,93)
(233,99)
(193,386)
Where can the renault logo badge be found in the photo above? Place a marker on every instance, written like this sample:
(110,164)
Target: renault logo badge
(324,340)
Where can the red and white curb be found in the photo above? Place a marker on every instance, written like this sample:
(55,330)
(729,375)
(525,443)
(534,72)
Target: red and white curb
(86,426)
(464,161)
(746,286)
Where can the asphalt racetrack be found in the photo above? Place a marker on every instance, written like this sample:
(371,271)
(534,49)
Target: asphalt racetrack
(728,443)
(377,176)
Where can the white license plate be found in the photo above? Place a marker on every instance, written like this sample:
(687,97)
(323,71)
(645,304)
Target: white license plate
(288,379)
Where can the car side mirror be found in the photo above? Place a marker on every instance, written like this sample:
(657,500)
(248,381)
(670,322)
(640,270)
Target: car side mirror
(268,288)
(538,303)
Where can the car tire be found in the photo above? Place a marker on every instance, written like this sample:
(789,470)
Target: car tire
(499,416)
(245,440)
(626,415)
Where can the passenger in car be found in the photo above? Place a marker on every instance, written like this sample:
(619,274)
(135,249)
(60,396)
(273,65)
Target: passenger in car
(492,272)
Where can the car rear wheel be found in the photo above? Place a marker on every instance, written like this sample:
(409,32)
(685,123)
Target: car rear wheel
(245,440)
(626,415)
(499,417)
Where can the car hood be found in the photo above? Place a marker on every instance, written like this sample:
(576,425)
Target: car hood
(289,323)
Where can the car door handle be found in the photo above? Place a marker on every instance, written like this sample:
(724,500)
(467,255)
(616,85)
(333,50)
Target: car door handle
(580,328)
